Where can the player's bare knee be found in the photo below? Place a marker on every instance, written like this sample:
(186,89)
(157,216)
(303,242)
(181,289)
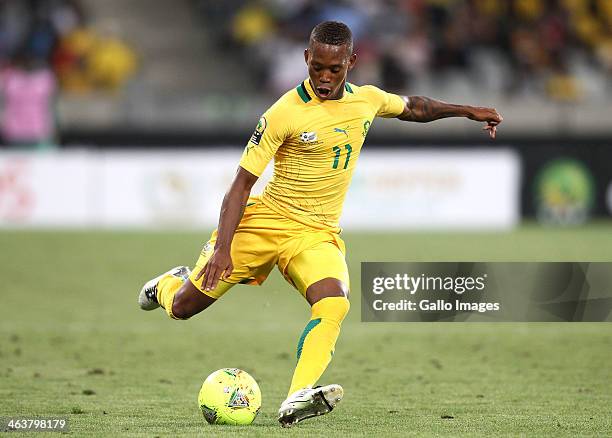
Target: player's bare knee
(189,301)
(182,306)
(332,303)
(181,309)
(328,287)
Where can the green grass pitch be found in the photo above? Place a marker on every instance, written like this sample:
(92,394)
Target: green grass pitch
(74,343)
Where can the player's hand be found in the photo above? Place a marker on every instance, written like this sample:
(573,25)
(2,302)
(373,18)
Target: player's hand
(488,115)
(218,267)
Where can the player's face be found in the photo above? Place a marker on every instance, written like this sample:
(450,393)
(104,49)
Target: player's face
(327,68)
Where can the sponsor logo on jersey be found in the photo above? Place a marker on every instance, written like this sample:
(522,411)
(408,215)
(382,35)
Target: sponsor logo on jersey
(344,131)
(259,131)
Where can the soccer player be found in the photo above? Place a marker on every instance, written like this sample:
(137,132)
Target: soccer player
(315,133)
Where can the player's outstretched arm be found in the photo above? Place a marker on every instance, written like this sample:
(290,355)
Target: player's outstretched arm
(423,109)
(232,209)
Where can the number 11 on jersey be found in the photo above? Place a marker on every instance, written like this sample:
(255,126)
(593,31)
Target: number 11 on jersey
(338,151)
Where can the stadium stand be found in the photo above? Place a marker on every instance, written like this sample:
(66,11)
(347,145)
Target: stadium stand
(199,66)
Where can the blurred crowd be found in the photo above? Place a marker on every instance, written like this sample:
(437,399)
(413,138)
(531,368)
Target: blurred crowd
(557,49)
(517,46)
(46,46)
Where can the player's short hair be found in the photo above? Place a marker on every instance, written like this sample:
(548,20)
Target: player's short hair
(334,33)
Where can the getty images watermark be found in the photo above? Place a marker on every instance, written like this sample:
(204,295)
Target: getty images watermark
(463,291)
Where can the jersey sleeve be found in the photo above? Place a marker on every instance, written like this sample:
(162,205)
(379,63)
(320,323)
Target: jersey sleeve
(270,133)
(386,104)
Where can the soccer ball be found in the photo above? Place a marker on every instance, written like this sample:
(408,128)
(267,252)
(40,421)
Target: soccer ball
(230,396)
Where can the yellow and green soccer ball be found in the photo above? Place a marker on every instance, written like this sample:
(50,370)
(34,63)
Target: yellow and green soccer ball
(230,396)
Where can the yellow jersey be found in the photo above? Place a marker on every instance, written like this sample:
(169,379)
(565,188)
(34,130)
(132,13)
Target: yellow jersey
(315,144)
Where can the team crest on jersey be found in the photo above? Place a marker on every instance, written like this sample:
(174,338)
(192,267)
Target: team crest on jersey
(259,130)
(308,137)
